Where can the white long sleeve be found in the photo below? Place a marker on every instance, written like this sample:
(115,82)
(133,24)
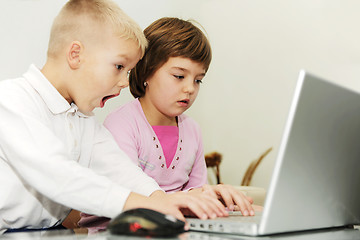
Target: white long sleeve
(46,150)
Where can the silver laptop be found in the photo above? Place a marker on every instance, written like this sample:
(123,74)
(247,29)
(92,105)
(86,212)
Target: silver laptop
(316,178)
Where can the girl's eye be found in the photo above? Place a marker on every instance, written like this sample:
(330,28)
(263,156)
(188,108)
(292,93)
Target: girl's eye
(119,67)
(178,76)
(198,81)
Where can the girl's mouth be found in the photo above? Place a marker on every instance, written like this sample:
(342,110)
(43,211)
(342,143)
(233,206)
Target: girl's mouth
(184,102)
(102,103)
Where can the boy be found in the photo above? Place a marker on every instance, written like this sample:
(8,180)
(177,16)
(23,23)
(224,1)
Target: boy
(54,157)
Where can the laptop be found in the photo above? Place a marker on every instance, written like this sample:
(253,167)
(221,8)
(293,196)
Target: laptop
(316,178)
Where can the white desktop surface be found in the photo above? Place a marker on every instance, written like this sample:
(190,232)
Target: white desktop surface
(334,234)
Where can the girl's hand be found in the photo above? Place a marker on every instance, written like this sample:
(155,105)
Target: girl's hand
(201,205)
(232,198)
(197,204)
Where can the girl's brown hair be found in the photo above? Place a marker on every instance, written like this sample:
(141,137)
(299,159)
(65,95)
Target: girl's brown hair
(169,37)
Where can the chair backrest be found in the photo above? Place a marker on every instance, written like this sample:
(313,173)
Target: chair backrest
(252,167)
(213,160)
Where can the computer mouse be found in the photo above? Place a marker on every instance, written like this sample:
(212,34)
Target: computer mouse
(145,222)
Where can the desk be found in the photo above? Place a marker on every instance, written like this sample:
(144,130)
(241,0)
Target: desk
(335,234)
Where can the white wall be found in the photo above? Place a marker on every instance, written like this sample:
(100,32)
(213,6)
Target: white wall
(259,46)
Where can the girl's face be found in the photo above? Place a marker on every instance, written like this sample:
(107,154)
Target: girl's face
(171,90)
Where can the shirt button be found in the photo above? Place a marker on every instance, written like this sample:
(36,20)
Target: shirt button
(181,140)
(177,158)
(180,149)
(154,138)
(173,167)
(159,157)
(162,165)
(157,146)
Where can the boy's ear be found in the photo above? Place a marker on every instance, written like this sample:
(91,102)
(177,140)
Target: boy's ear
(74,54)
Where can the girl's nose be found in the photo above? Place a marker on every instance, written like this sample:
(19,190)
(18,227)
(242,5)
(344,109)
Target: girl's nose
(189,87)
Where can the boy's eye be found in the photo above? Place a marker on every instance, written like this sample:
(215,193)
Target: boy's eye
(119,67)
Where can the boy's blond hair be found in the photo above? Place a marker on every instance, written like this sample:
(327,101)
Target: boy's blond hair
(81,18)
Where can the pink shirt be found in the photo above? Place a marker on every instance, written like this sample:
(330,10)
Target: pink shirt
(168,137)
(136,137)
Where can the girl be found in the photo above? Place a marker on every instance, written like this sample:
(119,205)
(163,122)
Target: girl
(152,129)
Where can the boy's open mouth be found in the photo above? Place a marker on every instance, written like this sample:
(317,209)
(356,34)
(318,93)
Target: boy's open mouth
(107,98)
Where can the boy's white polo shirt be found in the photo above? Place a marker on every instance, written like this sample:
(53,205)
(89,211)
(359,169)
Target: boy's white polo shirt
(46,149)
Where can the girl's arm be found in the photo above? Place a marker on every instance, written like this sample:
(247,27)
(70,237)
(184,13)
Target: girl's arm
(201,205)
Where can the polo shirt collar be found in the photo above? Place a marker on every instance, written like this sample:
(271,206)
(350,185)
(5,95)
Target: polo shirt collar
(52,98)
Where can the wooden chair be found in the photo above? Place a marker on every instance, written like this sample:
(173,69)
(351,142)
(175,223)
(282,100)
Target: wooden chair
(252,167)
(213,160)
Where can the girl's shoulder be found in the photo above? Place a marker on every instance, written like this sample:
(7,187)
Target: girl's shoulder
(127,109)
(188,122)
(127,112)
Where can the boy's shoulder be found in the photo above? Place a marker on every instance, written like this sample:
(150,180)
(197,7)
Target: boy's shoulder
(12,89)
(11,84)
(18,97)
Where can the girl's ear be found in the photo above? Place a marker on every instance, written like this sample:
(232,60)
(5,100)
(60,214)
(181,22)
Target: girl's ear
(74,54)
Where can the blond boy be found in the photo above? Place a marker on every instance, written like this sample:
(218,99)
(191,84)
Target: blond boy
(54,156)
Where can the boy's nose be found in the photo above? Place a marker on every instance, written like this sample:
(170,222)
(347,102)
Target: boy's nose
(123,82)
